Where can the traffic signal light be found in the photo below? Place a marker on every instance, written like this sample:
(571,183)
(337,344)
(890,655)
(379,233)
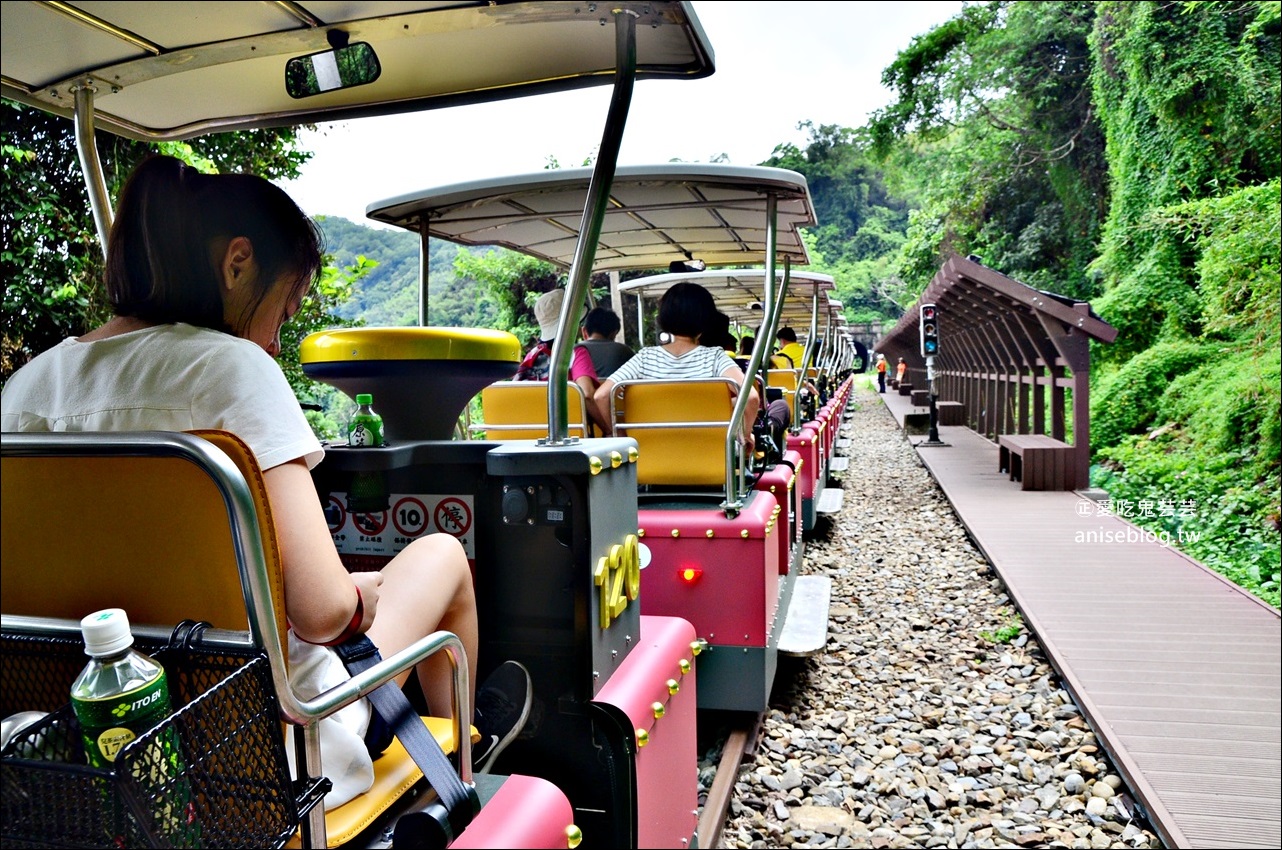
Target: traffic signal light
(929,327)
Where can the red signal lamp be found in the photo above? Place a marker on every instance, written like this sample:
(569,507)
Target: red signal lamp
(689,575)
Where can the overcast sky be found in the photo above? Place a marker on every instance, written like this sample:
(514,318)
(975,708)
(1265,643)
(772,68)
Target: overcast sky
(776,66)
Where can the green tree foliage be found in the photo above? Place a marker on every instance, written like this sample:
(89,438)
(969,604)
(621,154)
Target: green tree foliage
(513,282)
(326,408)
(51,259)
(1126,401)
(388,295)
(861,220)
(994,133)
(1127,153)
(1188,95)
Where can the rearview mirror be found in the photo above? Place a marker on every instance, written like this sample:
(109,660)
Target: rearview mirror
(341,68)
(686,266)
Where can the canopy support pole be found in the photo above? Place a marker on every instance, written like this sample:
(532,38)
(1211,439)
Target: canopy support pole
(90,163)
(625,43)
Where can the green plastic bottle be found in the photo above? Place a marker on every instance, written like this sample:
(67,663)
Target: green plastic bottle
(367,426)
(121,695)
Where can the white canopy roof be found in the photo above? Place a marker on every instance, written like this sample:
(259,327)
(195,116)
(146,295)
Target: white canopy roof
(740,293)
(179,69)
(656,214)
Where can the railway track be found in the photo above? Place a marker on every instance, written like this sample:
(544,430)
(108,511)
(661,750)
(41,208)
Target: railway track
(736,742)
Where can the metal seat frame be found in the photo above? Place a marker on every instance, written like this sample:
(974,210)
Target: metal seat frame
(242,508)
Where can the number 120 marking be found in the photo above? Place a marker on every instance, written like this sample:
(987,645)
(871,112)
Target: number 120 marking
(618,575)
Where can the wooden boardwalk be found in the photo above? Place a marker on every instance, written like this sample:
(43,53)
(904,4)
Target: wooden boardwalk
(1178,671)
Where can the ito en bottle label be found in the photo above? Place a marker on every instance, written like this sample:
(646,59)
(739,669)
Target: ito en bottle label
(110,724)
(366,425)
(367,430)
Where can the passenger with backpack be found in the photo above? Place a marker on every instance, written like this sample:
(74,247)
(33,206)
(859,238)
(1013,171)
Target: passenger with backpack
(537,363)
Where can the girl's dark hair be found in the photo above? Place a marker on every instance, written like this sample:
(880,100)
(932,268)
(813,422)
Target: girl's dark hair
(172,225)
(717,334)
(687,309)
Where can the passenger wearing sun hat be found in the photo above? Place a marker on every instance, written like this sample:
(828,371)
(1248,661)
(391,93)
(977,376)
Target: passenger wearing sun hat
(547,312)
(538,361)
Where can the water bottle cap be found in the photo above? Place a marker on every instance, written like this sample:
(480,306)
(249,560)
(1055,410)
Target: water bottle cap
(106,632)
(364,398)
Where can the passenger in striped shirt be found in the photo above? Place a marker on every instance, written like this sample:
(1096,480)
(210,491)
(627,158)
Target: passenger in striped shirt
(684,312)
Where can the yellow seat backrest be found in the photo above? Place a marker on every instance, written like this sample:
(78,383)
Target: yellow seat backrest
(518,410)
(680,428)
(148,530)
(148,533)
(786,380)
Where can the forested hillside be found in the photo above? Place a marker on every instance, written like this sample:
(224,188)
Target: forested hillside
(1125,153)
(388,293)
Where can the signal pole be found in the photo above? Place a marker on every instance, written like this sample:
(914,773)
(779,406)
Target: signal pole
(929,331)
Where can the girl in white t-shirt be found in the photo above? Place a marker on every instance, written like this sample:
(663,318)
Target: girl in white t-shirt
(202,271)
(685,310)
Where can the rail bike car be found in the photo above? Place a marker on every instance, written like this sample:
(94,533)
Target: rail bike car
(680,506)
(608,758)
(550,532)
(821,404)
(814,390)
(714,551)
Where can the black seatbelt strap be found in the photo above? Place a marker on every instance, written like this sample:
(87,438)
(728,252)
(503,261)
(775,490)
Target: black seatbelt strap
(459,801)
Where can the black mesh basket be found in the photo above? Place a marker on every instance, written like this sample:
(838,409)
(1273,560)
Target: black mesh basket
(229,787)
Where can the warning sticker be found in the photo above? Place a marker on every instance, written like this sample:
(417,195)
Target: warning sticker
(411,516)
(453,516)
(335,514)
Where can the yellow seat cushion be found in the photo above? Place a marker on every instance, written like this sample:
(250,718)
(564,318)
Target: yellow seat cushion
(395,772)
(786,380)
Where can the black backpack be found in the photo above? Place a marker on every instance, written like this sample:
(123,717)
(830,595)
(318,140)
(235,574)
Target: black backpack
(537,364)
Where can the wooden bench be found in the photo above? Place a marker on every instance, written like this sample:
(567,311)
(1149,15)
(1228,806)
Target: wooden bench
(1037,461)
(921,398)
(950,412)
(906,389)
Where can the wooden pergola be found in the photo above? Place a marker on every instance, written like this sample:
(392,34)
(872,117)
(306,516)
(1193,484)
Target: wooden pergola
(1004,349)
